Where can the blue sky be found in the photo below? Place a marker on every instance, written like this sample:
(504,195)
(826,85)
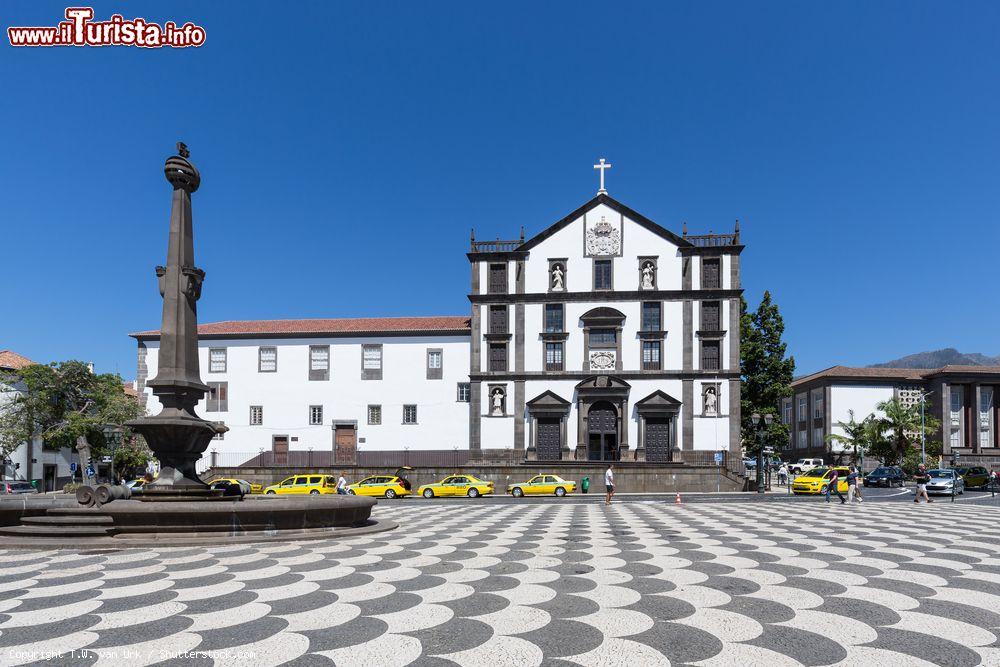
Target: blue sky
(347,148)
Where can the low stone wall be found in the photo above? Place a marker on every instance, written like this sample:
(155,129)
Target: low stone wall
(629,478)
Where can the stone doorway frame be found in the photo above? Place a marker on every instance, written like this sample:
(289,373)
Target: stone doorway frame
(663,405)
(551,405)
(598,388)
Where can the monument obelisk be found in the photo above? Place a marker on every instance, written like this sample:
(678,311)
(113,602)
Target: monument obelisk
(177,436)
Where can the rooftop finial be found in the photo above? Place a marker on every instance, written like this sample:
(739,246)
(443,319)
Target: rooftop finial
(182,150)
(602,165)
(736,231)
(684,228)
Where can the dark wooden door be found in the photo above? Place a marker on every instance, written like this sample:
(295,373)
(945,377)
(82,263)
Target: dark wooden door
(602,429)
(658,440)
(345,442)
(549,446)
(279,447)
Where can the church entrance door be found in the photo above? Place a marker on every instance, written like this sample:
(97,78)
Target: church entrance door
(549,442)
(658,439)
(602,431)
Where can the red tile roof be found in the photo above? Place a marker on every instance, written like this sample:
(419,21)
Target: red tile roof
(12,360)
(336,327)
(907,374)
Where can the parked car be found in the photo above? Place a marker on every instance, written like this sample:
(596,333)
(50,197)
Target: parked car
(543,485)
(313,484)
(386,486)
(974,477)
(17,488)
(229,487)
(942,481)
(803,465)
(885,476)
(815,480)
(247,487)
(457,485)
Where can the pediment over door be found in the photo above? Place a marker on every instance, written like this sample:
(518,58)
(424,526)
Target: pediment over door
(604,385)
(548,402)
(658,401)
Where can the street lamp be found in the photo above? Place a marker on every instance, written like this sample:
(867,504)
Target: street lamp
(762,423)
(923,432)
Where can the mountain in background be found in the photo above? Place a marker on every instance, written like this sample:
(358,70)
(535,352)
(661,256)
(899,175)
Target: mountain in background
(939,358)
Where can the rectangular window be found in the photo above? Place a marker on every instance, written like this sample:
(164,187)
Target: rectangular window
(710,355)
(818,437)
(218,397)
(267,360)
(371,362)
(786,412)
(464,392)
(256,415)
(603,338)
(435,362)
(986,416)
(498,320)
(498,357)
(315,415)
(553,356)
(602,274)
(219,436)
(650,355)
(498,279)
(803,435)
(802,408)
(818,406)
(651,317)
(374,415)
(711,273)
(554,318)
(409,414)
(319,362)
(957,402)
(711,316)
(217,360)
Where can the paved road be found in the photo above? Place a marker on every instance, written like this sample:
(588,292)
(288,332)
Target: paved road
(557,583)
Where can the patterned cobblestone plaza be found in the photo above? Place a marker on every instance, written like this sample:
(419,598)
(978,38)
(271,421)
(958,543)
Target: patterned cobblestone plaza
(558,584)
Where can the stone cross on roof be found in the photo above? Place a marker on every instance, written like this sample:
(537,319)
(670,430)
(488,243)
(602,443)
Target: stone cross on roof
(602,165)
(182,150)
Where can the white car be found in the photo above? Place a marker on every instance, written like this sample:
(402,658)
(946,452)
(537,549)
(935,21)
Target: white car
(802,465)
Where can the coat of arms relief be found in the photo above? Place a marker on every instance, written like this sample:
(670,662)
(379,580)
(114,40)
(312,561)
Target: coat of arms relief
(603,239)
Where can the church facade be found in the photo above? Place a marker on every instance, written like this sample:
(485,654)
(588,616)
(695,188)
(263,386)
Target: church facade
(603,337)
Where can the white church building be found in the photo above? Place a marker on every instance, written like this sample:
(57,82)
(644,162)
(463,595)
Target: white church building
(605,336)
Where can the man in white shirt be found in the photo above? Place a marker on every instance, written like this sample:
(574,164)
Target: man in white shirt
(609,483)
(342,485)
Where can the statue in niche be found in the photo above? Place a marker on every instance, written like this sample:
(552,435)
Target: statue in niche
(648,276)
(498,399)
(711,402)
(557,278)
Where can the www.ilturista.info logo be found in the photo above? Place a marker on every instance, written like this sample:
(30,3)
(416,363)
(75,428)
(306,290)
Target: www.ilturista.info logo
(81,30)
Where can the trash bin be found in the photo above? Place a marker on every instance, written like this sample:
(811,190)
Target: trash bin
(585,484)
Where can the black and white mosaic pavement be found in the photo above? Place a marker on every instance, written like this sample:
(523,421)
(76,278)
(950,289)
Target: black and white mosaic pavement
(548,583)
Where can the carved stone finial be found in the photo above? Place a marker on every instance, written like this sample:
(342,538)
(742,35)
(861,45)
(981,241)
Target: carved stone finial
(684,228)
(182,150)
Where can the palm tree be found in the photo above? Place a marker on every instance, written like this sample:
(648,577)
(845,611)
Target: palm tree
(903,422)
(854,438)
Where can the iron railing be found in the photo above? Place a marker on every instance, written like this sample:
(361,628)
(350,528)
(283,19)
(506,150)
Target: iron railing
(495,246)
(713,240)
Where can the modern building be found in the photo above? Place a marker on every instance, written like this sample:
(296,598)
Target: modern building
(31,460)
(965,399)
(603,337)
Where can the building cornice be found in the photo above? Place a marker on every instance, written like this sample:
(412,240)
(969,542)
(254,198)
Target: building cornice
(636,295)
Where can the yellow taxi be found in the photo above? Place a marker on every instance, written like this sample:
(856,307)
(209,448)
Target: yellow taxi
(385,486)
(457,485)
(248,487)
(543,485)
(312,484)
(817,479)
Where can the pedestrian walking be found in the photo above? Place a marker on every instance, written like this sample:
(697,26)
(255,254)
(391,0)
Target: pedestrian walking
(833,487)
(853,490)
(342,484)
(609,484)
(921,478)
(783,475)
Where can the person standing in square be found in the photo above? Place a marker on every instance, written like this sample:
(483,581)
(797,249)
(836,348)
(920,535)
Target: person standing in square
(609,483)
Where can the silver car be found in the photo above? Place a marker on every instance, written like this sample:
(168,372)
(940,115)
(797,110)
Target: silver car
(17,488)
(943,480)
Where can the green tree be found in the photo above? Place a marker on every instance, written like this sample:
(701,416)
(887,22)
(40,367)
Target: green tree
(67,405)
(904,426)
(855,439)
(766,373)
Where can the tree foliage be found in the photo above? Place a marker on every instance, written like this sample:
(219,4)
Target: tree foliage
(66,405)
(903,425)
(766,372)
